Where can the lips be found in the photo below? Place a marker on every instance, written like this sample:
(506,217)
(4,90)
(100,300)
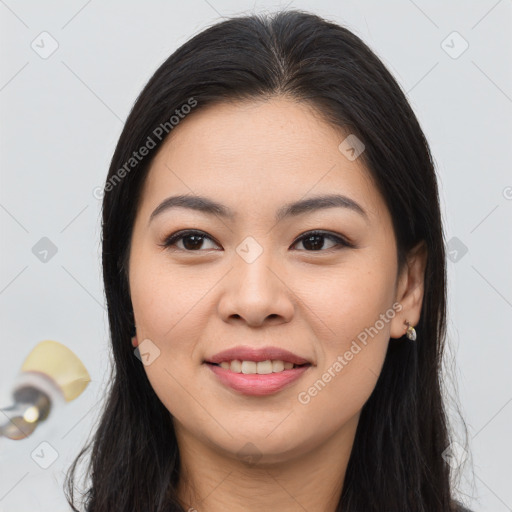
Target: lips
(256,384)
(245,353)
(259,383)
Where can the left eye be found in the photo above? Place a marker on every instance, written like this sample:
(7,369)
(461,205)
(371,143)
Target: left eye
(193,240)
(315,239)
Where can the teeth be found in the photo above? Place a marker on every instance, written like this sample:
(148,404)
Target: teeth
(249,367)
(252,367)
(278,366)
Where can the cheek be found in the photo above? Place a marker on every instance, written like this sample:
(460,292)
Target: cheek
(351,359)
(353,308)
(342,303)
(167,305)
(164,297)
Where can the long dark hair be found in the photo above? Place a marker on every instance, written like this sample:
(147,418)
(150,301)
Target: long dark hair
(397,461)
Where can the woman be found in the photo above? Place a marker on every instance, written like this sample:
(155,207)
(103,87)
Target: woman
(273,248)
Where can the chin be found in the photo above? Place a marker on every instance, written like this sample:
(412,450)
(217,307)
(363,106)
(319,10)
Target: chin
(256,446)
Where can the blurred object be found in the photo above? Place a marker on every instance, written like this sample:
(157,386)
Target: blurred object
(49,373)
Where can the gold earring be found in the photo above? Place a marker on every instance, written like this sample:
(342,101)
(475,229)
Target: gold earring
(410,332)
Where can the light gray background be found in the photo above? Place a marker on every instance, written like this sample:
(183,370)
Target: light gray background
(61,118)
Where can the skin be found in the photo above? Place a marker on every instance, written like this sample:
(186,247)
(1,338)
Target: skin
(254,157)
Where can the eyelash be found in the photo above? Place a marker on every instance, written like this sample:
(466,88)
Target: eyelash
(341,242)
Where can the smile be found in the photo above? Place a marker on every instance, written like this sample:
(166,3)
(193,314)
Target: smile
(260,367)
(257,378)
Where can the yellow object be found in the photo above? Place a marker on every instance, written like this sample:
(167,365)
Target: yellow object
(60,364)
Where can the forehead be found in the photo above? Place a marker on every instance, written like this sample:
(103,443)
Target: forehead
(258,152)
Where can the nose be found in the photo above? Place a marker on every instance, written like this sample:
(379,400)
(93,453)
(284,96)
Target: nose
(256,292)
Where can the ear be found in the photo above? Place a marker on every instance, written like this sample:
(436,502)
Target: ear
(409,290)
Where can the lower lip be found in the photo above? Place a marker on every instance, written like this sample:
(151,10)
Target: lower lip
(255,384)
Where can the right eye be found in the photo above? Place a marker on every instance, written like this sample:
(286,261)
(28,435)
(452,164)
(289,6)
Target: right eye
(192,240)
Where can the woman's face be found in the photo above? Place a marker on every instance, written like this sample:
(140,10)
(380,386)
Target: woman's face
(252,279)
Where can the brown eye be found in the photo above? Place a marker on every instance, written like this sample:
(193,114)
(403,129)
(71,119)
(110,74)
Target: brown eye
(314,241)
(192,240)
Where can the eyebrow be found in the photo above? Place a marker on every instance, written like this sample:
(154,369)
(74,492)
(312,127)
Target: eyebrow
(211,207)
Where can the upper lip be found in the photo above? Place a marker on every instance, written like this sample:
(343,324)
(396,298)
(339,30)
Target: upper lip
(245,353)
